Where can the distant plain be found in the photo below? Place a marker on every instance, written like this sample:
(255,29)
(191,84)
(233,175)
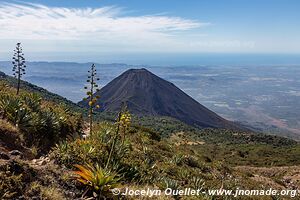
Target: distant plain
(266,97)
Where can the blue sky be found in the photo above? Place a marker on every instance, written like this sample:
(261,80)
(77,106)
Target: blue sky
(113,27)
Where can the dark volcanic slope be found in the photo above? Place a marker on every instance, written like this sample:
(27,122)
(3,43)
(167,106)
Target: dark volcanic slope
(148,94)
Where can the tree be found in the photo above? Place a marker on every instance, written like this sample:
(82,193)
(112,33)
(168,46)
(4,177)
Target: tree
(18,65)
(92,98)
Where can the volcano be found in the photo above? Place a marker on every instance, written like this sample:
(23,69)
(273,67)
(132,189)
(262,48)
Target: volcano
(146,94)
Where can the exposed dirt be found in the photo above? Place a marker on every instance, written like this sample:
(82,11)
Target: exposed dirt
(9,140)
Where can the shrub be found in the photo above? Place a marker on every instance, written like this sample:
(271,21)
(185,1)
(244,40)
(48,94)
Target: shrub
(10,106)
(42,124)
(10,185)
(197,183)
(191,161)
(177,159)
(13,178)
(94,149)
(79,152)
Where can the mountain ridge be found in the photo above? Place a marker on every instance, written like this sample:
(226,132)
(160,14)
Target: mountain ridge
(36,89)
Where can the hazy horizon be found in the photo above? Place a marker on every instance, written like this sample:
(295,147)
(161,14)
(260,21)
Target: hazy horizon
(168,59)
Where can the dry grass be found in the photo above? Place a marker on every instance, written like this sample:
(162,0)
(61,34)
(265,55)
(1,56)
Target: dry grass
(11,139)
(51,193)
(9,136)
(281,177)
(7,127)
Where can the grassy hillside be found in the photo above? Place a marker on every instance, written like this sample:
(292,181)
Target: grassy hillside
(12,82)
(43,155)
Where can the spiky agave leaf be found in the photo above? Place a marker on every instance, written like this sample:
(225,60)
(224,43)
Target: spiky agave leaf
(85,174)
(97,178)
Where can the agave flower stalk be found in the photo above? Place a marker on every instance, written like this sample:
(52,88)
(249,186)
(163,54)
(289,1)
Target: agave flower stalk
(18,65)
(92,98)
(123,121)
(114,140)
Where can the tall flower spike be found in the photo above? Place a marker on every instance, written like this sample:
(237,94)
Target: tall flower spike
(18,65)
(91,88)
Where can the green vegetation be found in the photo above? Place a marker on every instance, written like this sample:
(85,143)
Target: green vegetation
(40,123)
(134,152)
(10,82)
(181,160)
(97,179)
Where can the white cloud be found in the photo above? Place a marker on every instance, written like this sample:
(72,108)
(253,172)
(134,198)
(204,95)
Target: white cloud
(106,24)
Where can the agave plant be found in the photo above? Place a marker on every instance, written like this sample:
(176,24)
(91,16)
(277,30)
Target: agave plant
(9,106)
(23,119)
(15,111)
(32,101)
(197,183)
(98,180)
(3,86)
(177,159)
(104,133)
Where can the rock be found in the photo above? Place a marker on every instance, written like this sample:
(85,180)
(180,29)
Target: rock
(4,156)
(16,167)
(72,194)
(42,162)
(16,153)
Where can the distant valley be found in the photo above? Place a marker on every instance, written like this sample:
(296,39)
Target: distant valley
(264,97)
